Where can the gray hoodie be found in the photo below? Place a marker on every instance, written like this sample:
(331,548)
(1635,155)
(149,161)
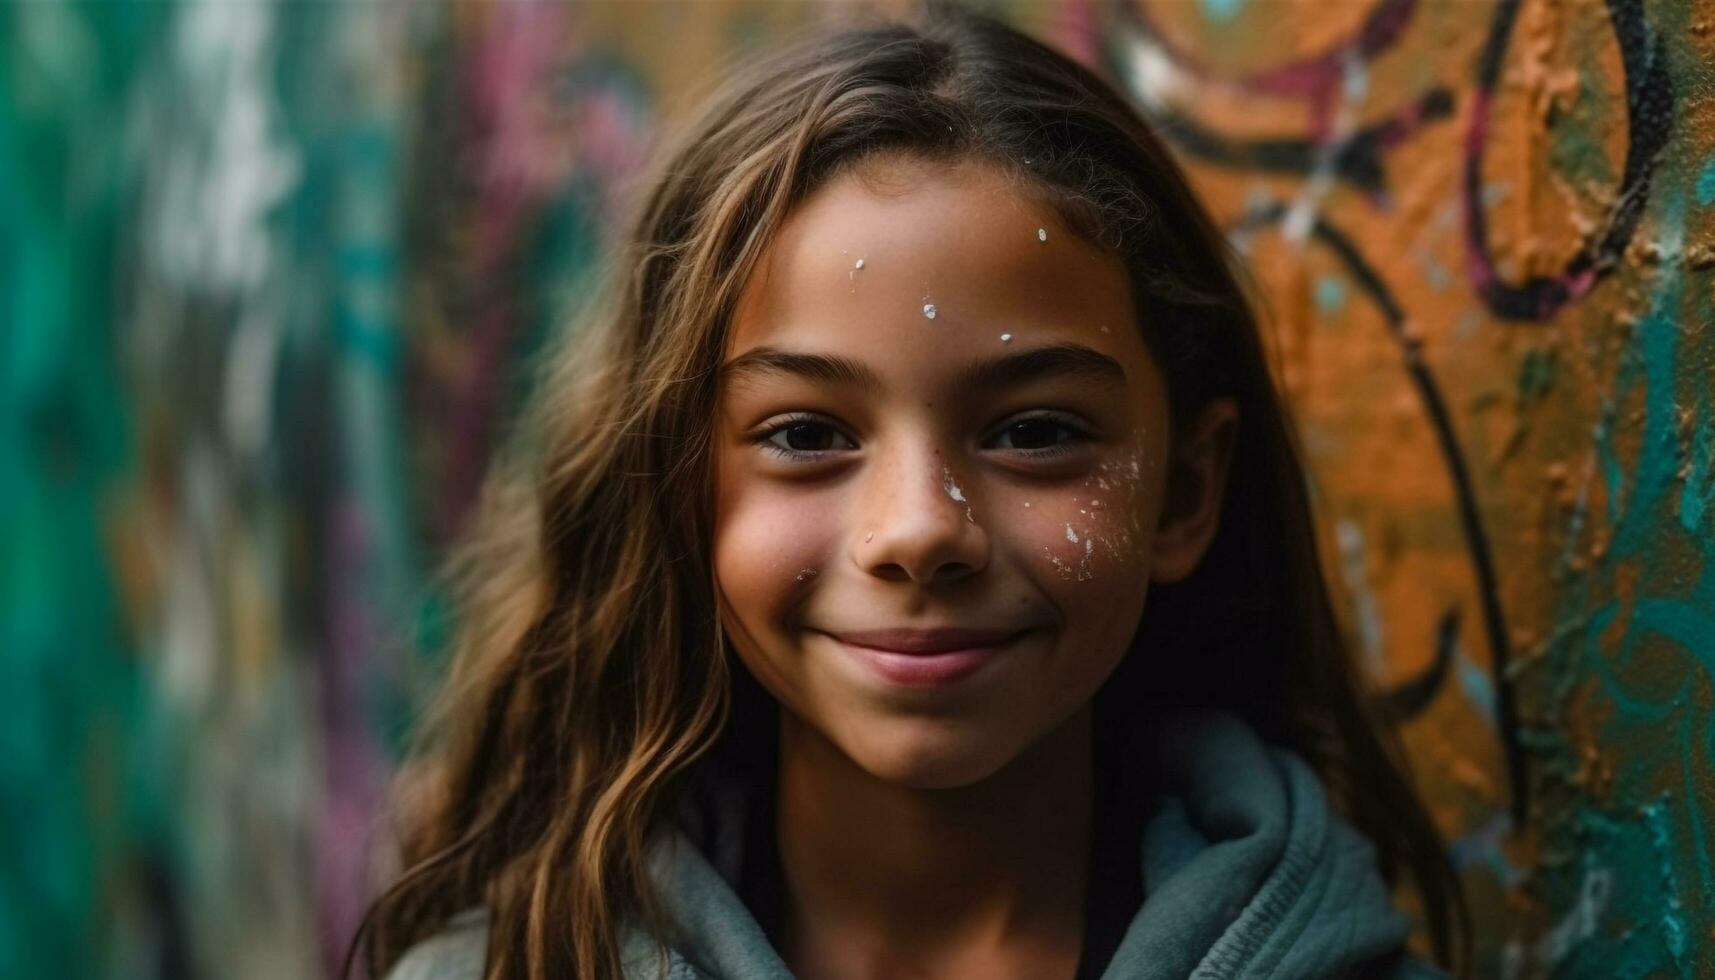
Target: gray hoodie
(1248,875)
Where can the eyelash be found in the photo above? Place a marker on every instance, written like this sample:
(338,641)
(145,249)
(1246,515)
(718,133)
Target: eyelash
(1079,436)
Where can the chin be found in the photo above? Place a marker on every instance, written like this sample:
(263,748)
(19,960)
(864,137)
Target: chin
(923,760)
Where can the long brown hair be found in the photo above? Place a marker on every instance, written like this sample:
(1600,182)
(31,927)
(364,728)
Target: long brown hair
(589,671)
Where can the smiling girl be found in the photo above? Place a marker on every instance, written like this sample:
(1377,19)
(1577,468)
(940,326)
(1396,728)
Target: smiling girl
(910,574)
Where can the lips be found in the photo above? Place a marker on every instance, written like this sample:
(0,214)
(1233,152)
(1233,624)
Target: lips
(926,641)
(920,658)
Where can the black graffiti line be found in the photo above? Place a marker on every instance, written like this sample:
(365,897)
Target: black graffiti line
(1470,518)
(1649,121)
(1411,697)
(1355,160)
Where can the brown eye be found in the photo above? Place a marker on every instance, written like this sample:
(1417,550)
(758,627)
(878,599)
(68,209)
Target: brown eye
(804,437)
(808,437)
(1040,435)
(1035,433)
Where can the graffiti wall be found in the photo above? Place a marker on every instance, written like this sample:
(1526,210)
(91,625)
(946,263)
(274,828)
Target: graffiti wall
(1485,234)
(271,275)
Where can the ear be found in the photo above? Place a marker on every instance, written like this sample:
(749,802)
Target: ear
(1196,485)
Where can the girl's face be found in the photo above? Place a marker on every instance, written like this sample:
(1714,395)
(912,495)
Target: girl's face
(941,431)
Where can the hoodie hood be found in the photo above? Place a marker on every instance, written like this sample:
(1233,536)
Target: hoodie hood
(1248,871)
(1248,875)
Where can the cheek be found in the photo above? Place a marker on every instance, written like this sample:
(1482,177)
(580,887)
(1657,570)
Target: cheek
(1095,532)
(1088,544)
(770,544)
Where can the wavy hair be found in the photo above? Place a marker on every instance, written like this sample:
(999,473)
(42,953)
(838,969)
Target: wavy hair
(589,673)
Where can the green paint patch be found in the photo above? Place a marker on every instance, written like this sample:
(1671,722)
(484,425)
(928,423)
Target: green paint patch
(1330,295)
(1625,862)
(1651,368)
(1694,496)
(1706,184)
(1663,844)
(1222,10)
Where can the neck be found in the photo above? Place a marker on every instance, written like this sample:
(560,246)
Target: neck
(920,875)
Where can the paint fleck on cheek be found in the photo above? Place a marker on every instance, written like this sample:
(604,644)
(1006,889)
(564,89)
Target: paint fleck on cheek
(805,574)
(1115,546)
(1102,525)
(1064,569)
(1098,528)
(1112,519)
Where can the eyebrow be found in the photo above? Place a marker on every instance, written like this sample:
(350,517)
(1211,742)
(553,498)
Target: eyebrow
(825,368)
(1031,364)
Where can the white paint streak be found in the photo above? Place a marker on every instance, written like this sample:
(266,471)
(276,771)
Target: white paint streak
(1154,76)
(953,491)
(1354,569)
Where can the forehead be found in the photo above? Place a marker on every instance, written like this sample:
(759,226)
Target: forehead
(960,238)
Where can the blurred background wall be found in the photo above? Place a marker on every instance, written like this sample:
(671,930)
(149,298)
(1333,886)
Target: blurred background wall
(270,272)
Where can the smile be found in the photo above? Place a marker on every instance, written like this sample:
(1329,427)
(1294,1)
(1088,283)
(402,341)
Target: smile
(925,658)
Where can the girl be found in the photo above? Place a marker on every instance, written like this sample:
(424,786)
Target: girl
(806,635)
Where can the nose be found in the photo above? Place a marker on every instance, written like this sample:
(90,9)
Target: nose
(917,521)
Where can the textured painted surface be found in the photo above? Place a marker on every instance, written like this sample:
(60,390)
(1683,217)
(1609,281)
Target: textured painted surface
(270,275)
(1482,235)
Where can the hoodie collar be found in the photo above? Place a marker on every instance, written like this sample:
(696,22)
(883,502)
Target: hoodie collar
(1248,873)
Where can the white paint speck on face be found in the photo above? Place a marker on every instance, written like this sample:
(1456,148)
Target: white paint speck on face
(953,491)
(869,537)
(1104,328)
(1071,535)
(859,264)
(1064,569)
(805,574)
(929,310)
(1027,503)
(1041,234)
(952,488)
(1006,338)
